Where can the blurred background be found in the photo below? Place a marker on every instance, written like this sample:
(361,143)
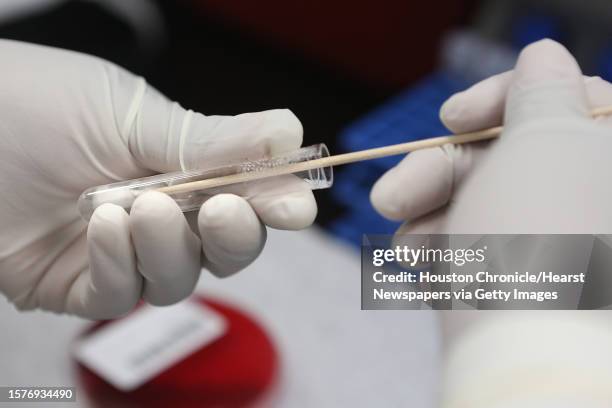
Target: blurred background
(358,75)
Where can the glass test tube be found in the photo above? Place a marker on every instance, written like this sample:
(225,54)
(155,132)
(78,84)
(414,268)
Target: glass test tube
(125,192)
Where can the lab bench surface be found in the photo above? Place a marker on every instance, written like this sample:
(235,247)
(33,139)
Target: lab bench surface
(332,353)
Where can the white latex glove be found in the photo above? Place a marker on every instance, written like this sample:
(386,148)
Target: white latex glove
(549,172)
(71,121)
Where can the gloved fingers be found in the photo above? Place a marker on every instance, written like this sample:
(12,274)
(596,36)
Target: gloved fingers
(547,85)
(478,107)
(283,202)
(482,105)
(163,137)
(421,182)
(112,286)
(599,92)
(213,141)
(424,180)
(232,235)
(167,251)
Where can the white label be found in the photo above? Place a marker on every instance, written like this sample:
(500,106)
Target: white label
(131,351)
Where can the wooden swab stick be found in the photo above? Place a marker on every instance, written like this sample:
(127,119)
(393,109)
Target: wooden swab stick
(346,158)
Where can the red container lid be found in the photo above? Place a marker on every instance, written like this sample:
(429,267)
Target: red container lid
(239,369)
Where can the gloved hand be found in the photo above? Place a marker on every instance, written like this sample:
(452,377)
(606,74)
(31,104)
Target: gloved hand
(72,121)
(547,173)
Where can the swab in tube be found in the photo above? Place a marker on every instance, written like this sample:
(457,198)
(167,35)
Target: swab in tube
(124,193)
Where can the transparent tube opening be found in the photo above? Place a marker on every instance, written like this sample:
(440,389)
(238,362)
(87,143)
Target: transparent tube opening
(318,178)
(124,193)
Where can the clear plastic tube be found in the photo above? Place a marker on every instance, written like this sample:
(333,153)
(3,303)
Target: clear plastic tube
(124,193)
